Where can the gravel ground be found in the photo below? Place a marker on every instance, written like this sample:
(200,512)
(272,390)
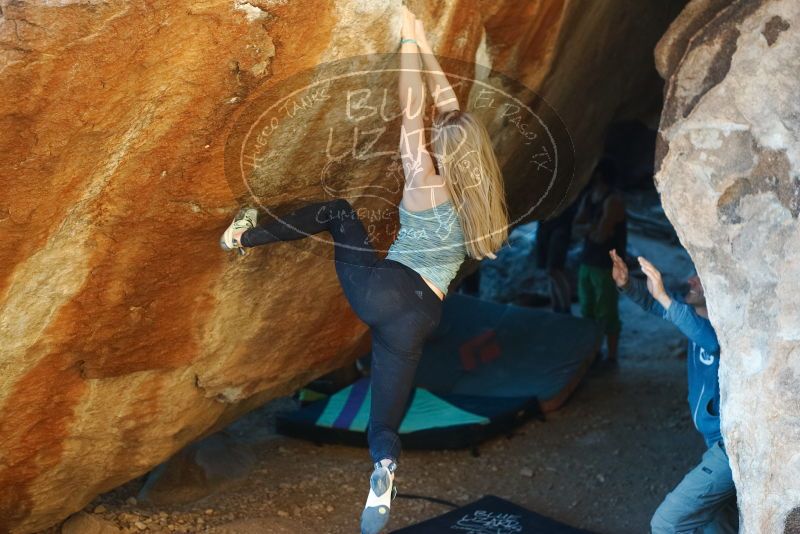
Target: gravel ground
(603,462)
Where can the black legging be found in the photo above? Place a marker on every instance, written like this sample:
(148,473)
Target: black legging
(399,307)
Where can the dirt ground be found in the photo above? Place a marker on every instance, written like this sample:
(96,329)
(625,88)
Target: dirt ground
(603,462)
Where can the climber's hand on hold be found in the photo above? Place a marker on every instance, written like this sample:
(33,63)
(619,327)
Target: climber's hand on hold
(409,22)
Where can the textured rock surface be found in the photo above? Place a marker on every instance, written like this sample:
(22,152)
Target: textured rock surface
(197,471)
(83,523)
(125,333)
(730,182)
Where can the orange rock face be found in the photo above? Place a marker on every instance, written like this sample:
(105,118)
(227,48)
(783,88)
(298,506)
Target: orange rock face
(125,332)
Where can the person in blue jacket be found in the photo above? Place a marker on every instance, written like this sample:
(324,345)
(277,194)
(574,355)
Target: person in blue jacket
(705,500)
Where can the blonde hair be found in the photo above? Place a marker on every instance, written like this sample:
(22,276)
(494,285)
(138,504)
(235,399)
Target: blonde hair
(469,167)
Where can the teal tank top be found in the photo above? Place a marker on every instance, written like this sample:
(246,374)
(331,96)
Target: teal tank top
(431,242)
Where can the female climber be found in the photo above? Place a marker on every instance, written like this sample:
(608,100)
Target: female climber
(453,205)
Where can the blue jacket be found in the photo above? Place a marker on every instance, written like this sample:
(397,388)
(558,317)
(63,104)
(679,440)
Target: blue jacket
(703,356)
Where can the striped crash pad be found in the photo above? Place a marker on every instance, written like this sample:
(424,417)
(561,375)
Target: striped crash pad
(485,368)
(431,421)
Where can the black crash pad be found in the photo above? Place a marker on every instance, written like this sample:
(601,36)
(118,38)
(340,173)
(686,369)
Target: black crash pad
(491,515)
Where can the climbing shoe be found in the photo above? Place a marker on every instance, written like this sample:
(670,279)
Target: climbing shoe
(381,493)
(244,220)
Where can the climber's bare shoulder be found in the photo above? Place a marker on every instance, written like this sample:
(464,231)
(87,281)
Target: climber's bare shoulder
(425,193)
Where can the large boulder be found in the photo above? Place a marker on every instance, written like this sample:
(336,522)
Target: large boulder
(125,333)
(730,183)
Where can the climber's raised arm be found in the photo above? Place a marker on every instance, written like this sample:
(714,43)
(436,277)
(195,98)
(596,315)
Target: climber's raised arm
(411,89)
(444,97)
(417,162)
